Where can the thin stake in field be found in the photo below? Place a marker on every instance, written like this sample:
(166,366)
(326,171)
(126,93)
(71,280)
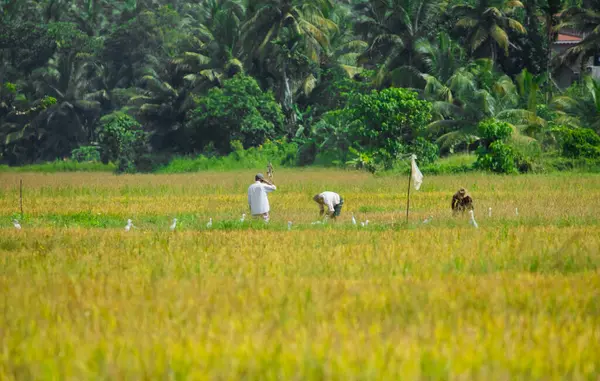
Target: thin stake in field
(21,196)
(270,171)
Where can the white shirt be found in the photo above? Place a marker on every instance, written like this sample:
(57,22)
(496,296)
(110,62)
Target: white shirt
(331,199)
(257,197)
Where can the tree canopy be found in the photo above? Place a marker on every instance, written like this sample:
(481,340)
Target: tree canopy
(340,78)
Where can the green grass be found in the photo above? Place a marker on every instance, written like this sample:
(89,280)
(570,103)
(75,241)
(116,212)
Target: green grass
(60,166)
(278,153)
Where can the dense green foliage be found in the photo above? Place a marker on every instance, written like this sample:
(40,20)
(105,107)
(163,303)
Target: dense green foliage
(237,111)
(123,141)
(360,83)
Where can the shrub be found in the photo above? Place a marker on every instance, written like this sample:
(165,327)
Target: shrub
(491,130)
(238,111)
(494,154)
(498,157)
(86,154)
(123,141)
(580,142)
(427,152)
(383,123)
(278,152)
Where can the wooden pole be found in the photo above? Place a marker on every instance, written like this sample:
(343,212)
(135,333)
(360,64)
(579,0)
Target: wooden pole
(21,196)
(270,171)
(408,196)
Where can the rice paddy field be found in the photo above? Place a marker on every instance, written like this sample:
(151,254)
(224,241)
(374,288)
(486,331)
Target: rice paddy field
(516,299)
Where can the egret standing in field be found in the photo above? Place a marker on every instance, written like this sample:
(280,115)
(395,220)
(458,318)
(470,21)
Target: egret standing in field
(428,220)
(243,218)
(472,219)
(173,225)
(16,224)
(129,225)
(289,225)
(209,224)
(516,211)
(353,219)
(490,212)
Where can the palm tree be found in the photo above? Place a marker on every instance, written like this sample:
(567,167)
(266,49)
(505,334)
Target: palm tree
(161,108)
(442,57)
(472,94)
(581,108)
(486,25)
(395,29)
(586,21)
(216,51)
(550,10)
(282,38)
(344,46)
(63,118)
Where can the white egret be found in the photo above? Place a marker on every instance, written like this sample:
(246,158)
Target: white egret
(472,219)
(243,217)
(353,219)
(289,225)
(362,224)
(367,223)
(517,211)
(489,212)
(16,224)
(129,225)
(209,224)
(173,225)
(428,220)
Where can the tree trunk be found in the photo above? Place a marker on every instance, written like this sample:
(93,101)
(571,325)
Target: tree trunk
(550,34)
(288,100)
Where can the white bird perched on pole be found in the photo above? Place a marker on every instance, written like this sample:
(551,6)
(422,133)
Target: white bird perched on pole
(472,219)
(209,224)
(289,225)
(243,217)
(16,224)
(428,220)
(129,225)
(353,219)
(489,212)
(517,211)
(173,225)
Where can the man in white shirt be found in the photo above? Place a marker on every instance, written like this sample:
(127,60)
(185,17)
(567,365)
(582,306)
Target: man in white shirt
(332,200)
(257,197)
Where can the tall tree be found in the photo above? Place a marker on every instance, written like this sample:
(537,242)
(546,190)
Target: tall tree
(472,94)
(586,21)
(394,30)
(282,38)
(486,24)
(214,52)
(581,105)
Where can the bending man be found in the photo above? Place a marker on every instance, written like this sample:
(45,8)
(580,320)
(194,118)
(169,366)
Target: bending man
(257,197)
(332,200)
(461,201)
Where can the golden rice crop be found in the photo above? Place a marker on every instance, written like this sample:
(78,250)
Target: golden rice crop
(518,298)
